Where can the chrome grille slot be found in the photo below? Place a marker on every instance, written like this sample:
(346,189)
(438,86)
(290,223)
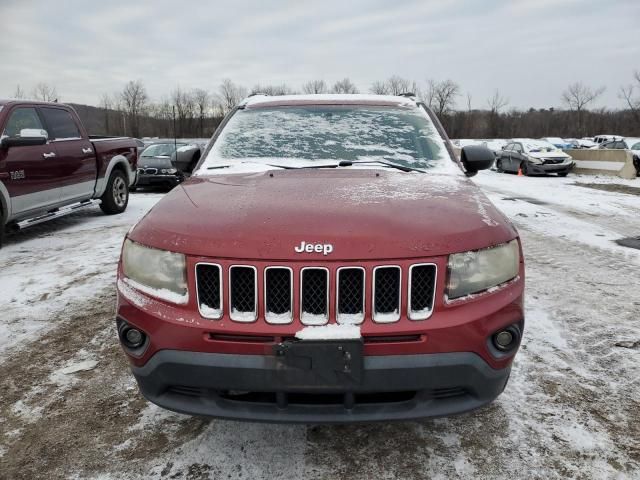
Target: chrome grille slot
(209,288)
(278,295)
(350,296)
(314,296)
(243,296)
(386,294)
(422,286)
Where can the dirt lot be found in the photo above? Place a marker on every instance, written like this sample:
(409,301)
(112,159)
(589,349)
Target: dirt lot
(70,409)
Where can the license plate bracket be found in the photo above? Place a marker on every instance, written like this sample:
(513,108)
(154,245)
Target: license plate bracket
(330,364)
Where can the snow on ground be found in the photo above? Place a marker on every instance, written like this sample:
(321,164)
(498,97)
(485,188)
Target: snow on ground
(69,407)
(50,266)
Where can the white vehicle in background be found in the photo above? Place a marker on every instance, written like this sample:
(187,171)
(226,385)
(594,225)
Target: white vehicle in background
(557,142)
(628,143)
(578,143)
(494,144)
(465,142)
(606,138)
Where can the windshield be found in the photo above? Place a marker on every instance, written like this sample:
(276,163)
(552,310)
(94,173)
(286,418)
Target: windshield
(312,135)
(161,150)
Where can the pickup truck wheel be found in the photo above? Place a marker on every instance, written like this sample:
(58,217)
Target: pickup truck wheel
(116,196)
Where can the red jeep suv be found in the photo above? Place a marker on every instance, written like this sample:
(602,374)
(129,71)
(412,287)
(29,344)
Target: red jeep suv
(328,261)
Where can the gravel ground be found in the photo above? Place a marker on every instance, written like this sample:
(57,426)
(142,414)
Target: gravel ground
(70,409)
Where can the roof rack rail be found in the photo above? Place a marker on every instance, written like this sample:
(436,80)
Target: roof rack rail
(261,94)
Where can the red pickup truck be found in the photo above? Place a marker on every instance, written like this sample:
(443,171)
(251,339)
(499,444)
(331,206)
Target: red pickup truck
(328,261)
(50,167)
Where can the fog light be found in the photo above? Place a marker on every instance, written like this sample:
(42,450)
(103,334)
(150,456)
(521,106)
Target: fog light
(503,340)
(134,337)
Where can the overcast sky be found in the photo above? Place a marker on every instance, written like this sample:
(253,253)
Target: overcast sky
(529,49)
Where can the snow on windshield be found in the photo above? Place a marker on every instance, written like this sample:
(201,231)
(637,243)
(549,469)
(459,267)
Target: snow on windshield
(301,135)
(540,147)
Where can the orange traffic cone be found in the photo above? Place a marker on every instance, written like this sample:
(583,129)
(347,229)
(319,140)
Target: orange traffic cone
(520,172)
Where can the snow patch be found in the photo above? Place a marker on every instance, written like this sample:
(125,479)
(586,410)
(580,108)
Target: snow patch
(329,332)
(209,312)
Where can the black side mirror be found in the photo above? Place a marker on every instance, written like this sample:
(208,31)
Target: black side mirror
(475,158)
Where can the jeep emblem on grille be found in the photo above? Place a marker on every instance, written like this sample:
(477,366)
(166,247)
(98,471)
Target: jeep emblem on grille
(323,248)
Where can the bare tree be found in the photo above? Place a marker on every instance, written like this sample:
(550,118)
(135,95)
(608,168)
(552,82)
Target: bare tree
(628,94)
(441,96)
(134,99)
(18,92)
(379,88)
(578,96)
(202,99)
(282,89)
(315,86)
(496,103)
(106,104)
(344,86)
(185,106)
(45,92)
(229,95)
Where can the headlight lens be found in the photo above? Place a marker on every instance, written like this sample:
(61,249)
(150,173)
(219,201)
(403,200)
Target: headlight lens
(155,272)
(473,272)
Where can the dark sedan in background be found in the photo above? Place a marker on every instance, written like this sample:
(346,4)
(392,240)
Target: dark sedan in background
(533,157)
(156,165)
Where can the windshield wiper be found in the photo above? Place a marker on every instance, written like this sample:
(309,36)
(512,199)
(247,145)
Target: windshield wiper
(342,163)
(404,168)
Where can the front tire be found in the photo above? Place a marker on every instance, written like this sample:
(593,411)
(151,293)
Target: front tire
(524,169)
(499,168)
(116,196)
(563,174)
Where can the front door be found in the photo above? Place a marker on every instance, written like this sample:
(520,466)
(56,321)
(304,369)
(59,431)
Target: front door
(75,155)
(31,173)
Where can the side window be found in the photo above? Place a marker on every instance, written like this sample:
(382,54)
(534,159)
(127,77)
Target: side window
(508,147)
(60,123)
(25,117)
(517,147)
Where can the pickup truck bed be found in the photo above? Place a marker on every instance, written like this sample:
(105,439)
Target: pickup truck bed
(49,165)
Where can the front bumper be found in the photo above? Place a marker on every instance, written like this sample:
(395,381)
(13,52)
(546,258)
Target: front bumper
(145,180)
(545,168)
(263,388)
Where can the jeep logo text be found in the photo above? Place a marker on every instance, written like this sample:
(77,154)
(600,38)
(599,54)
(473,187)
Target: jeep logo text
(323,248)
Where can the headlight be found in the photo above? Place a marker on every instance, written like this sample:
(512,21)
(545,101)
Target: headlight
(473,272)
(155,272)
(168,170)
(537,161)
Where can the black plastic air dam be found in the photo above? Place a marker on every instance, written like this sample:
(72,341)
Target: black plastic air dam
(204,375)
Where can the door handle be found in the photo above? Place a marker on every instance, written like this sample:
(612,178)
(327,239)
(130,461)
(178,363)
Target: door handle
(87,150)
(49,155)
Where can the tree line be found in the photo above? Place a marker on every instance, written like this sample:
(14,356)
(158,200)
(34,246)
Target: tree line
(189,113)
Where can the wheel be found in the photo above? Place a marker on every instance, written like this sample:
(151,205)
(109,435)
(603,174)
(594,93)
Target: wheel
(499,168)
(563,174)
(116,196)
(525,170)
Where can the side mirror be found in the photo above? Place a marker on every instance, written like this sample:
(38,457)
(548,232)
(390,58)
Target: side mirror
(29,137)
(475,158)
(186,158)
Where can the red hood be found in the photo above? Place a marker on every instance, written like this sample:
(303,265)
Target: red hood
(364,214)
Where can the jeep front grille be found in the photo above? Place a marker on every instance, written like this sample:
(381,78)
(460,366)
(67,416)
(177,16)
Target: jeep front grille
(314,296)
(350,297)
(243,298)
(209,287)
(386,294)
(278,295)
(422,289)
(304,294)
